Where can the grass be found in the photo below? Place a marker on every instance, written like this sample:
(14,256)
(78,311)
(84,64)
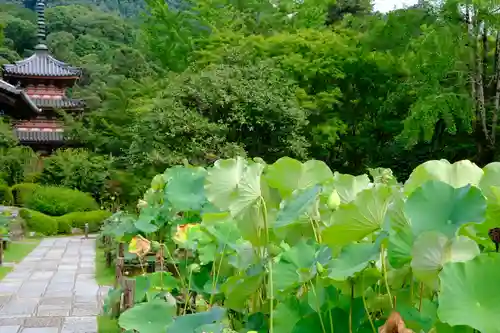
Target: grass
(16,251)
(4,271)
(104,276)
(107,325)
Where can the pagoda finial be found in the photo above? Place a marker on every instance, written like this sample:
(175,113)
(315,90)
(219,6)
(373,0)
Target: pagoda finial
(40,11)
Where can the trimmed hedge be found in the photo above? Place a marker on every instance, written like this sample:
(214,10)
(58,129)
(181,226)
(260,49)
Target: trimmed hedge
(6,197)
(58,201)
(39,222)
(50,225)
(63,227)
(95,219)
(22,192)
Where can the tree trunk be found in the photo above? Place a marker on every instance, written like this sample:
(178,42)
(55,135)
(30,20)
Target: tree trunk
(496,106)
(479,79)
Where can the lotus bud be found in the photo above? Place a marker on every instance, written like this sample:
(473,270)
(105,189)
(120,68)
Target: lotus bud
(320,267)
(194,268)
(333,200)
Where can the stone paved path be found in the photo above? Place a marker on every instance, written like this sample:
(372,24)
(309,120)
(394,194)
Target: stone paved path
(52,290)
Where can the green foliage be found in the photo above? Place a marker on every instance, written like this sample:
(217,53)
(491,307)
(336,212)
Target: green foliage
(39,222)
(95,219)
(264,241)
(17,163)
(57,201)
(77,169)
(6,197)
(63,225)
(23,192)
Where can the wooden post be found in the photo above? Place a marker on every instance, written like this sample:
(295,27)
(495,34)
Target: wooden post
(107,251)
(128,293)
(86,230)
(1,251)
(120,263)
(119,274)
(160,259)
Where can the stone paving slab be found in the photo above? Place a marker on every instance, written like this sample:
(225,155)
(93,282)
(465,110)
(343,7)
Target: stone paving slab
(53,289)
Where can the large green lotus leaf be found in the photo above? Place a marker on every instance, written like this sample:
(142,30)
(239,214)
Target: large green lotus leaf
(185,188)
(245,199)
(468,295)
(288,175)
(293,316)
(458,174)
(400,247)
(163,281)
(395,219)
(147,217)
(353,259)
(359,218)
(432,250)
(189,323)
(149,317)
(429,256)
(383,176)
(441,207)
(296,266)
(142,285)
(349,186)
(440,327)
(295,207)
(462,249)
(286,315)
(238,289)
(248,192)
(362,282)
(480,231)
(419,321)
(222,180)
(491,177)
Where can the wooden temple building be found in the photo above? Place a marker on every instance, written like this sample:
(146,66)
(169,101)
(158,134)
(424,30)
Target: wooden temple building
(32,90)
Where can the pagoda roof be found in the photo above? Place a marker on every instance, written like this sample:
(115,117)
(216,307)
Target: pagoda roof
(39,131)
(63,103)
(41,64)
(19,94)
(38,136)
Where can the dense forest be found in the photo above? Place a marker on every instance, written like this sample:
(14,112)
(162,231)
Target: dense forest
(177,82)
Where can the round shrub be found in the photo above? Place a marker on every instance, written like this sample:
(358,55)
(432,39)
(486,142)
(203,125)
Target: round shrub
(63,226)
(22,192)
(95,219)
(39,222)
(57,201)
(6,197)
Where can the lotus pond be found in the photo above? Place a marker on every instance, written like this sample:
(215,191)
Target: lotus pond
(293,247)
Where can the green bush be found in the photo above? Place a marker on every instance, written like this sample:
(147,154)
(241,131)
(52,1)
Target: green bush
(38,222)
(63,225)
(6,197)
(95,219)
(58,201)
(22,192)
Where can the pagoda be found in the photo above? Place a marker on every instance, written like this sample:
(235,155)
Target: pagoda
(34,89)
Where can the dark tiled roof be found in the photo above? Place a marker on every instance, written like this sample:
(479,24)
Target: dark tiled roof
(9,87)
(23,97)
(65,103)
(41,63)
(39,136)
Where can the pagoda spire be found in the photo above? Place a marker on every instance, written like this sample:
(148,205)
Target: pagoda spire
(41,34)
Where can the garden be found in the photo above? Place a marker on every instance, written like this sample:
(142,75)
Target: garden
(291,247)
